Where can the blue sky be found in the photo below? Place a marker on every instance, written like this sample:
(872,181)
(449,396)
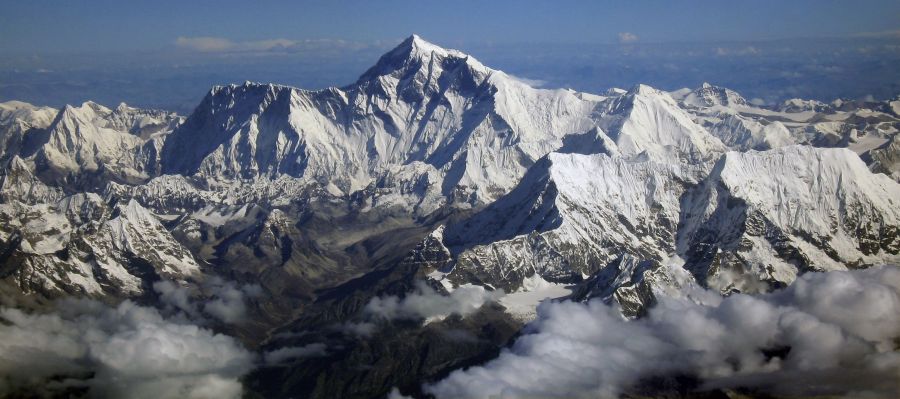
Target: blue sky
(41,26)
(168,53)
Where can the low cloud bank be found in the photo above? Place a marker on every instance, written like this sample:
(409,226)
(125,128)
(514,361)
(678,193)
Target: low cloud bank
(423,303)
(426,303)
(124,351)
(827,334)
(228,300)
(294,352)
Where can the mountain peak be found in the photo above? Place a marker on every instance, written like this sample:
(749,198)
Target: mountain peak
(642,89)
(708,95)
(415,45)
(415,52)
(646,122)
(417,40)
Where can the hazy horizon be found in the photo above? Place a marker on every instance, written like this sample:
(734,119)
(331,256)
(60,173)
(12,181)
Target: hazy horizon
(168,55)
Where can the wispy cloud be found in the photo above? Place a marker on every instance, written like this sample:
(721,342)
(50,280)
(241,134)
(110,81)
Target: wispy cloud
(748,50)
(281,355)
(627,37)
(211,44)
(527,81)
(205,43)
(885,34)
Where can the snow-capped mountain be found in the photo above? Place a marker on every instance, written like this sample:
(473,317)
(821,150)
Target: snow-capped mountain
(59,237)
(88,145)
(22,128)
(79,145)
(570,216)
(746,222)
(18,183)
(708,95)
(621,194)
(646,122)
(421,110)
(433,170)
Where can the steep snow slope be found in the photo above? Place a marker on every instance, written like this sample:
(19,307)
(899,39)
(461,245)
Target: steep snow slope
(570,216)
(22,128)
(647,123)
(84,146)
(746,222)
(766,216)
(18,183)
(77,144)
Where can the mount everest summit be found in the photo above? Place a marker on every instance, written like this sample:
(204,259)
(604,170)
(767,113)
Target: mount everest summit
(435,169)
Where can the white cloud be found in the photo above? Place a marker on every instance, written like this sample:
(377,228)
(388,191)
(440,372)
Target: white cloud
(395,394)
(627,37)
(527,81)
(174,297)
(838,330)
(426,303)
(120,351)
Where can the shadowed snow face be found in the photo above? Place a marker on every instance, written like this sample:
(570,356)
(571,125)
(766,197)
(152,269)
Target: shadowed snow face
(124,351)
(828,333)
